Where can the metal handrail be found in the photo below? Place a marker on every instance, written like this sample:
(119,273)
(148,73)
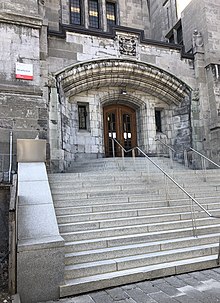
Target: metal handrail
(12,279)
(204,157)
(170,178)
(173,150)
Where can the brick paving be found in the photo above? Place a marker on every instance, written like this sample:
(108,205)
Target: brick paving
(196,287)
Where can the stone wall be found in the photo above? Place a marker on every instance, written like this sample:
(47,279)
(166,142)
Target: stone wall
(4,212)
(163,16)
(200,21)
(23,103)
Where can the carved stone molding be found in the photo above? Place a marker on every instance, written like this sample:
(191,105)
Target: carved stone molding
(127,45)
(122,73)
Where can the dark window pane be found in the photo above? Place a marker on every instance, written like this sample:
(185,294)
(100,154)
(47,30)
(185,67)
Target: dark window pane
(110,14)
(158,120)
(82,116)
(93,13)
(180,35)
(75,12)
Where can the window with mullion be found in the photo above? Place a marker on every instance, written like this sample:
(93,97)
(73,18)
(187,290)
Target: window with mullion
(110,14)
(94,21)
(76,12)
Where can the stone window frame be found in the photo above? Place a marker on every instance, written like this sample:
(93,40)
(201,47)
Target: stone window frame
(82,13)
(102,15)
(115,3)
(84,105)
(98,14)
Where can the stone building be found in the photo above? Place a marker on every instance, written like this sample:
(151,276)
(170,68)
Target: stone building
(78,72)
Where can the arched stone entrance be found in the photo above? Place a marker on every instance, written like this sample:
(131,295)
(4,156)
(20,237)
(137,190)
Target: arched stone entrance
(94,85)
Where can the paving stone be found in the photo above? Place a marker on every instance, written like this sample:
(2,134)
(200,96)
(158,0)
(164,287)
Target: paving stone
(101,297)
(139,296)
(199,275)
(117,294)
(128,300)
(190,281)
(158,281)
(168,289)
(175,281)
(129,286)
(213,274)
(186,299)
(196,294)
(161,297)
(217,269)
(147,287)
(83,299)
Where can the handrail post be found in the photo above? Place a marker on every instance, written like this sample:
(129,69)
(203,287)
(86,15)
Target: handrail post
(218,259)
(113,148)
(171,158)
(193,219)
(204,169)
(133,157)
(167,191)
(123,158)
(186,163)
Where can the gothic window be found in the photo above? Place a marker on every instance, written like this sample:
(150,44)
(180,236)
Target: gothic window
(75,12)
(94,21)
(110,14)
(83,116)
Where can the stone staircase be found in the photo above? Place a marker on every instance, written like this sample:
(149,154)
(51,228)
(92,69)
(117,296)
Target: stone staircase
(124,224)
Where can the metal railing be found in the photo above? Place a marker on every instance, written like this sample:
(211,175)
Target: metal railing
(203,158)
(7,161)
(192,199)
(12,264)
(171,151)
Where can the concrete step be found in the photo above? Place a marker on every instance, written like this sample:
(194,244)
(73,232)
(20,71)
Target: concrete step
(71,213)
(140,260)
(130,204)
(101,281)
(135,249)
(115,241)
(128,230)
(122,218)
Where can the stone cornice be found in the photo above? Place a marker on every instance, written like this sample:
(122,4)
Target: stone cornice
(111,72)
(24,20)
(64,28)
(21,90)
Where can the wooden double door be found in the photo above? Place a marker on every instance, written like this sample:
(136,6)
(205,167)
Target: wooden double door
(120,124)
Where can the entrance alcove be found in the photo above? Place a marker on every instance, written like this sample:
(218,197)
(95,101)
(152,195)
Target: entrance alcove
(90,89)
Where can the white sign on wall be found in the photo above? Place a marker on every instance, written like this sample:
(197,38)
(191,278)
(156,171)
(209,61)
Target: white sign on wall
(24,71)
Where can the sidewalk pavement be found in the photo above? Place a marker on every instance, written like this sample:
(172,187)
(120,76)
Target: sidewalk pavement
(197,287)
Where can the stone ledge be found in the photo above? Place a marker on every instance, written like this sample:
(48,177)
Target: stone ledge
(30,21)
(42,243)
(21,89)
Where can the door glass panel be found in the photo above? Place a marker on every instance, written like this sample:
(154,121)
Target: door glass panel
(111,118)
(127,133)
